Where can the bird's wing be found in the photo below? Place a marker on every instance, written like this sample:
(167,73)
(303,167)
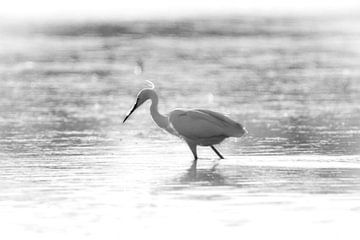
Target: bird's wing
(222,119)
(200,124)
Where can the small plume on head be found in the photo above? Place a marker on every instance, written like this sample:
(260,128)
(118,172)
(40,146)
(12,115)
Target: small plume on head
(151,84)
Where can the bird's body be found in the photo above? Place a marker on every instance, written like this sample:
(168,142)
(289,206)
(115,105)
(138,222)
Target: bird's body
(195,126)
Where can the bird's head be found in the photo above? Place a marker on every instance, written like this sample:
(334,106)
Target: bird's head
(142,96)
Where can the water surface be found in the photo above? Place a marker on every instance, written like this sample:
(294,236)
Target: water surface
(69,168)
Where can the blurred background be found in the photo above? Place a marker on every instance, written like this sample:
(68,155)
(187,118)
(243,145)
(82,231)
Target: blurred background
(142,9)
(288,71)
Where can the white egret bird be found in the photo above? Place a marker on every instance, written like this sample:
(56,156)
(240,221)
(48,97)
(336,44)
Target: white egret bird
(196,126)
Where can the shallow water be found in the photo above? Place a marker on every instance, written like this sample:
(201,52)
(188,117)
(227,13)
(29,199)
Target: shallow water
(70,168)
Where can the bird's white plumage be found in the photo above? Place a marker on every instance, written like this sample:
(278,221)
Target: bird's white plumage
(236,130)
(196,127)
(204,126)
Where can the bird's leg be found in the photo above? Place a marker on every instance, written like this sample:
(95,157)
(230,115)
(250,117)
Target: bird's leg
(217,152)
(192,147)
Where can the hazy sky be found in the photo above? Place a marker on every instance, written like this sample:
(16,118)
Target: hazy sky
(79,9)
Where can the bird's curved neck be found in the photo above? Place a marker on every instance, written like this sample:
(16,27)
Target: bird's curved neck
(158,118)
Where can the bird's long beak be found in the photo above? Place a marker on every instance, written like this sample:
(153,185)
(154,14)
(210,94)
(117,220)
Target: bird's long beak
(131,111)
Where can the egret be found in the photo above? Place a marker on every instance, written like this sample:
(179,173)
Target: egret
(195,126)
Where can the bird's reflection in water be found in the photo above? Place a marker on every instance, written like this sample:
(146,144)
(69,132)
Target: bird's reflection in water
(269,179)
(206,176)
